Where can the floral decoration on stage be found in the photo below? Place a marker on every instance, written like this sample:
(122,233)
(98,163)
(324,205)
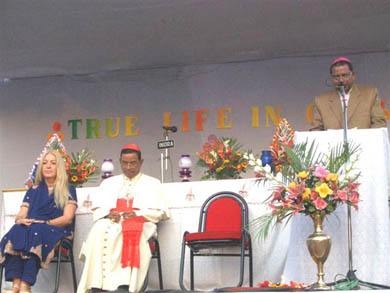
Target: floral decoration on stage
(308,182)
(81,167)
(268,284)
(222,158)
(284,135)
(54,143)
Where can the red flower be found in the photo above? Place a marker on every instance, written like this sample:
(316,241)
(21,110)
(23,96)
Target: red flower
(265,284)
(207,147)
(229,151)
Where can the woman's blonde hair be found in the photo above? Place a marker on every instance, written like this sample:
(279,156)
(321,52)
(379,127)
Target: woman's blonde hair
(61,189)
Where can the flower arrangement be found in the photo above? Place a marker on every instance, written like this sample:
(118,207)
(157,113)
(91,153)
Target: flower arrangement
(284,135)
(53,143)
(80,167)
(308,182)
(222,158)
(268,284)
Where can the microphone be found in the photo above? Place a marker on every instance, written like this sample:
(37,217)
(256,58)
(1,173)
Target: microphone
(170,128)
(341,87)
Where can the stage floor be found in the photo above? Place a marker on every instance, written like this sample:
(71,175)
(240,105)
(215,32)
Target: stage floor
(361,290)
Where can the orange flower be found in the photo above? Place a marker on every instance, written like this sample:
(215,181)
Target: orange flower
(207,147)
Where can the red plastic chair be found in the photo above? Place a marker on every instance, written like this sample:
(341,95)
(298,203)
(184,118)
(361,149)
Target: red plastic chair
(222,223)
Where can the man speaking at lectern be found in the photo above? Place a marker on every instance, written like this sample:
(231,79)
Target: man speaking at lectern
(362,102)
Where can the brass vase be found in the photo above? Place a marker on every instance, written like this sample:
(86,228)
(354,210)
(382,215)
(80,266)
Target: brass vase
(319,245)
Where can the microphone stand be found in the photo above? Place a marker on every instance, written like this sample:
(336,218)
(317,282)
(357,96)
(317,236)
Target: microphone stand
(165,157)
(351,276)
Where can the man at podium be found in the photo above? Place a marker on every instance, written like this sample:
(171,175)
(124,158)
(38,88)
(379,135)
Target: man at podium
(362,102)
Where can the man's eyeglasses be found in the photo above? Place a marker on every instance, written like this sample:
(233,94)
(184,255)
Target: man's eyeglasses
(128,164)
(345,76)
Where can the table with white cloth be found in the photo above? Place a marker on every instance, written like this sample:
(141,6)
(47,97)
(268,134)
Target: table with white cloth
(370,224)
(184,202)
(284,254)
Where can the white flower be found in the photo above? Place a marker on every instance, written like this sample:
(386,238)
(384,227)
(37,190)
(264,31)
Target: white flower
(214,154)
(279,176)
(342,178)
(252,163)
(257,169)
(259,163)
(267,168)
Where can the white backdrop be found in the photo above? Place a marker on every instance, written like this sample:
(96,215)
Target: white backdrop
(29,107)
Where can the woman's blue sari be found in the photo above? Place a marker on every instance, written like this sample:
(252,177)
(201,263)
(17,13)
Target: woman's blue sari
(40,239)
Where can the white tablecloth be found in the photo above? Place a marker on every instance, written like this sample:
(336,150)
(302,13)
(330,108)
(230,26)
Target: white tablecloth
(281,256)
(210,272)
(370,225)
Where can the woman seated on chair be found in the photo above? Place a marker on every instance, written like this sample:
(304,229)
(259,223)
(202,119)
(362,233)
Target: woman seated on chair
(45,217)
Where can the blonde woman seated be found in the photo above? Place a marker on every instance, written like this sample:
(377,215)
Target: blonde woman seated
(45,217)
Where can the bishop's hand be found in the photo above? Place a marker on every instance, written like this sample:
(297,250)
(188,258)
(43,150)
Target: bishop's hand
(128,215)
(114,217)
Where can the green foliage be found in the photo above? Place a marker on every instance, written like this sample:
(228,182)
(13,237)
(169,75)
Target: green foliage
(305,195)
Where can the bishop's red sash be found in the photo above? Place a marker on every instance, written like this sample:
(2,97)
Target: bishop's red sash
(131,231)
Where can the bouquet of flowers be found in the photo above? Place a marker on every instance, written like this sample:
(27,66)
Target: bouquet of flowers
(284,135)
(80,167)
(222,158)
(268,285)
(309,183)
(54,143)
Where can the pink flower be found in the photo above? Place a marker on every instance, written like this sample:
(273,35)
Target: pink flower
(298,209)
(342,194)
(313,195)
(296,190)
(354,199)
(275,209)
(277,194)
(353,186)
(321,172)
(286,204)
(319,203)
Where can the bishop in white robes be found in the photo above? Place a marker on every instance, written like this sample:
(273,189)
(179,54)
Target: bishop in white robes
(102,250)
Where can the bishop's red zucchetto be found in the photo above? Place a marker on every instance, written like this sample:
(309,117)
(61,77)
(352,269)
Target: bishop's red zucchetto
(131,146)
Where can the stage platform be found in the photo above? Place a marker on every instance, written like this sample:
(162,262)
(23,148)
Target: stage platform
(359,289)
(258,290)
